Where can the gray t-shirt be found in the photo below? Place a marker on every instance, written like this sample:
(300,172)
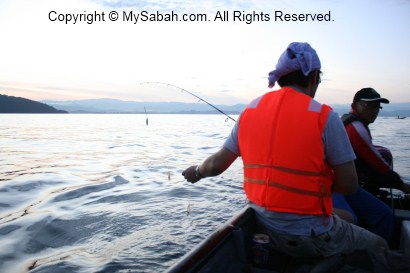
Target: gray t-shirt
(338,150)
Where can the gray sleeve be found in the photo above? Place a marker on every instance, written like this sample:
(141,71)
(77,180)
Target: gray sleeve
(338,149)
(231,142)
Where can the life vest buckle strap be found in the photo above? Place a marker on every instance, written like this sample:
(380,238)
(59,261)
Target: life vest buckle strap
(285,169)
(321,194)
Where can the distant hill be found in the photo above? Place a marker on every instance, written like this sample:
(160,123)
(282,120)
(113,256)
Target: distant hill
(119,106)
(10,104)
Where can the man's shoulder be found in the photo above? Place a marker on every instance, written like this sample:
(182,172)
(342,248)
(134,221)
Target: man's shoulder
(334,119)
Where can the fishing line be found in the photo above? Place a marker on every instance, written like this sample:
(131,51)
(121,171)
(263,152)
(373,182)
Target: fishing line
(196,96)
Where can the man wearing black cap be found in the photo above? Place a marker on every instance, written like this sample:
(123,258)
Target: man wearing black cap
(372,163)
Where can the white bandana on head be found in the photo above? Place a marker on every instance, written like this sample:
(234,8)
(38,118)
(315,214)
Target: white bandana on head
(298,56)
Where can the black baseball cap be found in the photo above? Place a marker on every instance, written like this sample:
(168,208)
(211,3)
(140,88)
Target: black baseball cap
(368,94)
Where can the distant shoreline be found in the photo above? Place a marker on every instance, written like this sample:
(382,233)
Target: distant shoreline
(164,113)
(16,105)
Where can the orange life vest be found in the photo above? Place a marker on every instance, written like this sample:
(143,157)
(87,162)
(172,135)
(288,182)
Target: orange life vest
(280,141)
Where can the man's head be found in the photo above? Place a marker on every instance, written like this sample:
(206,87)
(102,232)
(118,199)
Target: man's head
(298,65)
(366,104)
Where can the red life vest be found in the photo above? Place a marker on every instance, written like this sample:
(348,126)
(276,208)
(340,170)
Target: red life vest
(280,141)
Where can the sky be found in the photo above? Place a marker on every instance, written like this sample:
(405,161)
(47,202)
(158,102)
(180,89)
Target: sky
(43,57)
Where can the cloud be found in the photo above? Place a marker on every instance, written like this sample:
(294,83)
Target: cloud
(361,47)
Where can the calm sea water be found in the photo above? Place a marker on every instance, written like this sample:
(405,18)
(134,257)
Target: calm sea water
(104,193)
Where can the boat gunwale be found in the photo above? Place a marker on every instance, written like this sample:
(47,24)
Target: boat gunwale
(197,256)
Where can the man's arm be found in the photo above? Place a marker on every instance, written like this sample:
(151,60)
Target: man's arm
(345,178)
(363,147)
(212,166)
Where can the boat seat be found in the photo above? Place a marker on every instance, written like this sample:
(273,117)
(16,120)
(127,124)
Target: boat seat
(405,238)
(402,215)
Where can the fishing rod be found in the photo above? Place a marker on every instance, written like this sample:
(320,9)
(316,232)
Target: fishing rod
(189,92)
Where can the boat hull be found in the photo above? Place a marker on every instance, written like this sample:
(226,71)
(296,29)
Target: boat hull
(229,249)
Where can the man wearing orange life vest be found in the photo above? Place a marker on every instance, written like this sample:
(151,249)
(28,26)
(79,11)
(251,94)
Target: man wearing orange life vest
(295,153)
